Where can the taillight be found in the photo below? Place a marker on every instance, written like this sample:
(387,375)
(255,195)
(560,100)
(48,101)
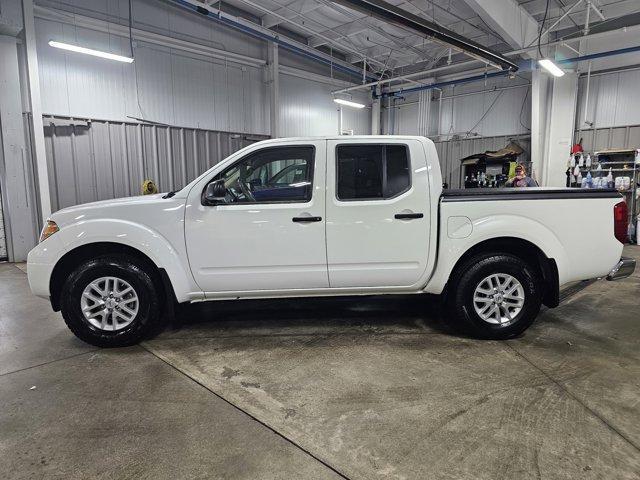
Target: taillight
(620,221)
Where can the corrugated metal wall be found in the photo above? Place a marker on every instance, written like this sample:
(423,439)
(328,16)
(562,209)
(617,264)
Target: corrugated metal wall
(451,152)
(96,160)
(613,99)
(613,137)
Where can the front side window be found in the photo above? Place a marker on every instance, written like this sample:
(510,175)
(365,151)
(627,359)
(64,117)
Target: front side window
(372,172)
(279,174)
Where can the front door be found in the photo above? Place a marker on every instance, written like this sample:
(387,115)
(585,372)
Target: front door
(377,213)
(269,234)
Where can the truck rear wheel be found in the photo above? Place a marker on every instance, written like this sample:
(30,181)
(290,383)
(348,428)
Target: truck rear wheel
(494,296)
(110,301)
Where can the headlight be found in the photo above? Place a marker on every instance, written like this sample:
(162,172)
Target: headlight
(49,229)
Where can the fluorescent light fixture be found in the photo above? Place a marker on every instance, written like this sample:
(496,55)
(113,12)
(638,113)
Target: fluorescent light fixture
(348,103)
(551,67)
(88,51)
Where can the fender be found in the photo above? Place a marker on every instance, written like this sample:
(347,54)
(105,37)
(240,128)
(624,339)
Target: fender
(493,227)
(140,237)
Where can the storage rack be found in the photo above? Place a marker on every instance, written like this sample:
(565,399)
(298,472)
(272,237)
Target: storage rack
(473,167)
(617,160)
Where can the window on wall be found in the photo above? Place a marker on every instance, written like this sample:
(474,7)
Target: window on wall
(372,172)
(278,174)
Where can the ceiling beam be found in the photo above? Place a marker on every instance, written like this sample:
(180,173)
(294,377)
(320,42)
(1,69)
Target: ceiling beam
(514,24)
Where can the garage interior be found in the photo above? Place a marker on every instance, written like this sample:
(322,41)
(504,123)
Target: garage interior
(351,387)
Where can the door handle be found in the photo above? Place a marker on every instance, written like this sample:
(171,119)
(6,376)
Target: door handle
(408,216)
(306,219)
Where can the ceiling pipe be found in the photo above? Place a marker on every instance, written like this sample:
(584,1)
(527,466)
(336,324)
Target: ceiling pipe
(431,86)
(477,78)
(470,63)
(399,17)
(594,56)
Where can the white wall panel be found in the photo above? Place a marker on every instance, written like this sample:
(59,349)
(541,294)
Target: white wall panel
(307,108)
(406,118)
(613,100)
(79,83)
(162,85)
(173,87)
(164,18)
(463,115)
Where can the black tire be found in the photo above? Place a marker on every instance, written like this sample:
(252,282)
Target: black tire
(135,272)
(465,279)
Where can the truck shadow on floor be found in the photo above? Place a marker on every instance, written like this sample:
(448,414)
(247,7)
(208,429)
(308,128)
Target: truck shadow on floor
(386,313)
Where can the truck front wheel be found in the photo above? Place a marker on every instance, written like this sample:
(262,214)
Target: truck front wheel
(494,296)
(111,301)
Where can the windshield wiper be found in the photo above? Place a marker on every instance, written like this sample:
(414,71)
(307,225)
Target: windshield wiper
(170,194)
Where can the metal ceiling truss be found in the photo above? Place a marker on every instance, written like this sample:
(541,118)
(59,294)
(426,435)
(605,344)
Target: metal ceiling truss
(404,19)
(258,31)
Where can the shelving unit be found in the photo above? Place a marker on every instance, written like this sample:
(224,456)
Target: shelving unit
(616,158)
(494,166)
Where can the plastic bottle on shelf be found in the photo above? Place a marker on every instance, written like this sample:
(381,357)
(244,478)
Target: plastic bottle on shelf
(581,181)
(581,160)
(599,169)
(589,180)
(587,162)
(610,179)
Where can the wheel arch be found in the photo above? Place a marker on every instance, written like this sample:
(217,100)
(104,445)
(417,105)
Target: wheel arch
(526,251)
(70,260)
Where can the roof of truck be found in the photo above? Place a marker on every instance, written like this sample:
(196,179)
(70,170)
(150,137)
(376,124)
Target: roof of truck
(348,137)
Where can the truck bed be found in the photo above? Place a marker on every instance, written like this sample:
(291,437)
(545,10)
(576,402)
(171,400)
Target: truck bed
(531,193)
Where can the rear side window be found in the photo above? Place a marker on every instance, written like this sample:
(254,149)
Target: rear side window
(372,172)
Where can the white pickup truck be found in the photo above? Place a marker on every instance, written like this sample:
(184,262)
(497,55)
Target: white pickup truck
(359,215)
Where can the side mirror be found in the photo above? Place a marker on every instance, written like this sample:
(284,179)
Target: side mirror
(215,193)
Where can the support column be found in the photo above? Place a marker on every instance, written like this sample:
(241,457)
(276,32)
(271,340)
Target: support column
(274,80)
(15,173)
(560,126)
(540,91)
(37,128)
(375,113)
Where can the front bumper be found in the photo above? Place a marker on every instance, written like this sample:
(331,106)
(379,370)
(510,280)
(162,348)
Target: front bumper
(624,268)
(39,271)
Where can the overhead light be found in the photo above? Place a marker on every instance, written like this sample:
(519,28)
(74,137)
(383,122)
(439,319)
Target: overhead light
(551,67)
(89,51)
(348,103)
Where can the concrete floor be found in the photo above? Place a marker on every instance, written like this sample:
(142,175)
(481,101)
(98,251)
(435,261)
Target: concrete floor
(325,388)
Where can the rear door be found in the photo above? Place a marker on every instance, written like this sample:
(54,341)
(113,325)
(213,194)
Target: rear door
(377,210)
